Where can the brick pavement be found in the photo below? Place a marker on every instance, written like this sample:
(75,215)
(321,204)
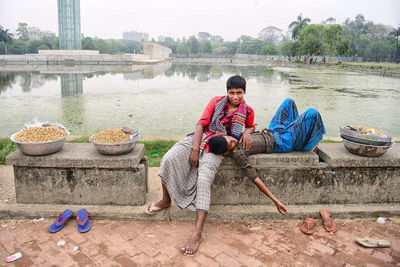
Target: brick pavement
(133,243)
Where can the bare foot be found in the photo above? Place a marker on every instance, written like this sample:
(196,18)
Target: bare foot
(192,244)
(163,204)
(157,206)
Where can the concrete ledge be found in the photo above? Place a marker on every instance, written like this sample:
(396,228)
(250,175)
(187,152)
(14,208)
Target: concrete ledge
(336,155)
(78,174)
(299,178)
(292,159)
(217,212)
(78,156)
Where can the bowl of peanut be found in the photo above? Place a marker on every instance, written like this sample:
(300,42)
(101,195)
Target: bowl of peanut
(41,140)
(115,141)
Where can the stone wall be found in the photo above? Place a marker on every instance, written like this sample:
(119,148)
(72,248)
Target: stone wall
(55,59)
(78,174)
(334,176)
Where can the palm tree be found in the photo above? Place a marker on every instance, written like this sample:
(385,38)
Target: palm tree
(396,33)
(297,25)
(6,38)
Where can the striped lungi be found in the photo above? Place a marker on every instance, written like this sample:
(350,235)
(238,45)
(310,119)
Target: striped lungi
(189,187)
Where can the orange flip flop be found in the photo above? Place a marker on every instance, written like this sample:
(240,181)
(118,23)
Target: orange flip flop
(329,224)
(307,226)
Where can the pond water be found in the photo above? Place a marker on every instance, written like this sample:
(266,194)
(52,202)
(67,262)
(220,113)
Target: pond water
(168,99)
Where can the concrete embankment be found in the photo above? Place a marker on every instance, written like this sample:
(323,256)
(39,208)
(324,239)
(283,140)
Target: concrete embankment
(348,186)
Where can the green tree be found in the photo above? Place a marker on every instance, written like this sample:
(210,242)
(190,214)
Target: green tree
(22,31)
(43,47)
(297,25)
(252,47)
(270,50)
(182,48)
(170,43)
(271,35)
(88,43)
(19,47)
(289,49)
(329,21)
(221,50)
(33,46)
(335,42)
(311,40)
(193,45)
(354,29)
(396,33)
(205,46)
(204,36)
(5,38)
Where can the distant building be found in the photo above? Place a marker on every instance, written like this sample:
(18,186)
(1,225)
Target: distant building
(156,51)
(69,25)
(135,36)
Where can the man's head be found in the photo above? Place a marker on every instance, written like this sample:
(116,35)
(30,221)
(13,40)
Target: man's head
(236,82)
(221,144)
(236,88)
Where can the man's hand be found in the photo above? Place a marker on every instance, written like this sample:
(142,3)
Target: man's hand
(194,158)
(246,140)
(281,208)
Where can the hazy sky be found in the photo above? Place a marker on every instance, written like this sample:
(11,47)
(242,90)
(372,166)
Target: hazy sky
(177,18)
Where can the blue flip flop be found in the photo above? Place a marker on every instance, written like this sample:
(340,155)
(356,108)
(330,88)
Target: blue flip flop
(83,221)
(60,222)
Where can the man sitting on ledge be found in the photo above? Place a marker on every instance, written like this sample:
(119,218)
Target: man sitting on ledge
(287,132)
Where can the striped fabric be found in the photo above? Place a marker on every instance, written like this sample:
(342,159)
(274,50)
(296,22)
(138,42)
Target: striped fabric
(294,132)
(189,187)
(263,142)
(216,127)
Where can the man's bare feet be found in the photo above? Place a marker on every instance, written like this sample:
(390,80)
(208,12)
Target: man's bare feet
(163,203)
(192,244)
(155,207)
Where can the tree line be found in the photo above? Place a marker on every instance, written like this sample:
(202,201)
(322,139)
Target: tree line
(354,38)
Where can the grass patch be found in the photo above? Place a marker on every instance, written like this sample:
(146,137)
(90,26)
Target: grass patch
(331,141)
(159,146)
(6,147)
(82,139)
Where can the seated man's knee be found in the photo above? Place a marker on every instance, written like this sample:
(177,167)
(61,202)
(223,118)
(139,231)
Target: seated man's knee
(288,101)
(311,112)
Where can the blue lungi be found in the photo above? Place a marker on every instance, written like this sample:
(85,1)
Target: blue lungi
(294,132)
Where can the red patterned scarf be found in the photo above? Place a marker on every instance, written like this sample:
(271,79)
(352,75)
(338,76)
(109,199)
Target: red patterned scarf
(217,128)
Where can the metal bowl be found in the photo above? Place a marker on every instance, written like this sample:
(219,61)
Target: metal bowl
(355,135)
(41,148)
(115,148)
(365,141)
(365,150)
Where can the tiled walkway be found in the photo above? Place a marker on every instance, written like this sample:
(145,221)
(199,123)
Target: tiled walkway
(259,243)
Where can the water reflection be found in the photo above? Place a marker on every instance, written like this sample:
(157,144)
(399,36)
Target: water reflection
(71,84)
(166,99)
(7,79)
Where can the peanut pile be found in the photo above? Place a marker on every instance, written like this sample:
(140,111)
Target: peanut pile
(111,136)
(40,134)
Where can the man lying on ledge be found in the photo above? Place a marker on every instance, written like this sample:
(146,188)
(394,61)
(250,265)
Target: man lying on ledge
(287,132)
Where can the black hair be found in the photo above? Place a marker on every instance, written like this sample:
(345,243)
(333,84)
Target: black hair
(236,82)
(218,144)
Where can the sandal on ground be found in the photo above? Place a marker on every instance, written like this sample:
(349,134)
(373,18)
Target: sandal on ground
(60,222)
(369,242)
(83,221)
(329,224)
(152,209)
(307,226)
